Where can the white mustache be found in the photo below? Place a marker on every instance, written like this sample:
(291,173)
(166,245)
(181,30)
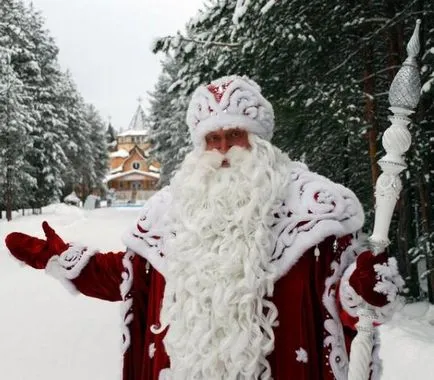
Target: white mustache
(232,157)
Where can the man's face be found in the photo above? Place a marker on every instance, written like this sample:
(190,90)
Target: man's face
(224,139)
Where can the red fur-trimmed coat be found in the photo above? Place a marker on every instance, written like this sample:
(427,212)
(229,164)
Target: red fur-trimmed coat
(300,351)
(316,245)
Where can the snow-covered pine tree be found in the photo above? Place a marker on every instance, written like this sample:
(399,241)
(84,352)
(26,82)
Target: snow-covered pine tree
(15,125)
(77,144)
(111,137)
(420,205)
(327,67)
(272,49)
(169,132)
(60,151)
(48,157)
(99,149)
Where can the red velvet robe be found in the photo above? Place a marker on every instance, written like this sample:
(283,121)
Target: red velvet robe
(311,342)
(298,296)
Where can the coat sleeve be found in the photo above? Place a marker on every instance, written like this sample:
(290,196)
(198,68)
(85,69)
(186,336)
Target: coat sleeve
(91,273)
(102,276)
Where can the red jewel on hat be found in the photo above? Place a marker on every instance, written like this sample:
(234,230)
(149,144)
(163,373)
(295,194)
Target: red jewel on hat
(218,91)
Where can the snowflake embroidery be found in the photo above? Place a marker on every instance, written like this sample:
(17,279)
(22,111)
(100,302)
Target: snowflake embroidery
(301,355)
(390,282)
(152,350)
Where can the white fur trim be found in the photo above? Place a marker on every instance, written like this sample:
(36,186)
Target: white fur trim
(225,121)
(127,304)
(334,340)
(350,300)
(69,265)
(241,105)
(149,244)
(315,209)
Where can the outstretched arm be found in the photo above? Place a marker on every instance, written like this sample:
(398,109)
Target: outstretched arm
(92,273)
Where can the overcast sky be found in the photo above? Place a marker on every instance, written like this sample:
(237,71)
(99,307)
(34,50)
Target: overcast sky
(106,45)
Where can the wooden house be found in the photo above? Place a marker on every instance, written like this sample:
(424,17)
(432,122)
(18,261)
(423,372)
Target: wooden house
(133,173)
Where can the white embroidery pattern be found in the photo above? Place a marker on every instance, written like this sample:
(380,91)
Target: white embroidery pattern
(147,237)
(72,261)
(334,342)
(315,208)
(127,304)
(152,350)
(68,265)
(390,281)
(301,355)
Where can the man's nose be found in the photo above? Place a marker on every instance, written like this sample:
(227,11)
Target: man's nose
(224,145)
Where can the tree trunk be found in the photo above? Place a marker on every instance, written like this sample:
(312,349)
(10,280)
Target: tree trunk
(425,223)
(370,113)
(407,269)
(8,194)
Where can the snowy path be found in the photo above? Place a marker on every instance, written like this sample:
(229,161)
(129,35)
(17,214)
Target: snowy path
(48,334)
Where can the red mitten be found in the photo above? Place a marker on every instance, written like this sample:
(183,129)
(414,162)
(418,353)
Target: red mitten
(33,251)
(376,278)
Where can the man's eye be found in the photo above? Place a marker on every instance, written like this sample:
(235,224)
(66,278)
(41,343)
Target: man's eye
(235,134)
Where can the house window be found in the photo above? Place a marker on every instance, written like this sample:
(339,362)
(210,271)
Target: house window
(136,185)
(136,165)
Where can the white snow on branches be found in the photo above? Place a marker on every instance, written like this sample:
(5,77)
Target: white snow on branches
(428,84)
(240,10)
(267,6)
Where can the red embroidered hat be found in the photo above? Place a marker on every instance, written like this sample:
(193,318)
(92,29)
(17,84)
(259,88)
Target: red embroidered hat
(228,102)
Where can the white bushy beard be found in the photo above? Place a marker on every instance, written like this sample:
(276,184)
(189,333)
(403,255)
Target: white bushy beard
(219,272)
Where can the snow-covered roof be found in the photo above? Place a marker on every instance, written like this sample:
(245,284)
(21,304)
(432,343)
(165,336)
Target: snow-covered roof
(118,169)
(139,126)
(132,174)
(153,168)
(133,132)
(122,153)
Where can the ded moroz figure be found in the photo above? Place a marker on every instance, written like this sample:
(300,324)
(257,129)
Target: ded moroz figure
(247,266)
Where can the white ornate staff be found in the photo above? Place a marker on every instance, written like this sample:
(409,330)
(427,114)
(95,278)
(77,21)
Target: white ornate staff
(404,96)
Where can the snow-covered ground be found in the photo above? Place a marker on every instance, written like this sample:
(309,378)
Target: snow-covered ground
(48,334)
